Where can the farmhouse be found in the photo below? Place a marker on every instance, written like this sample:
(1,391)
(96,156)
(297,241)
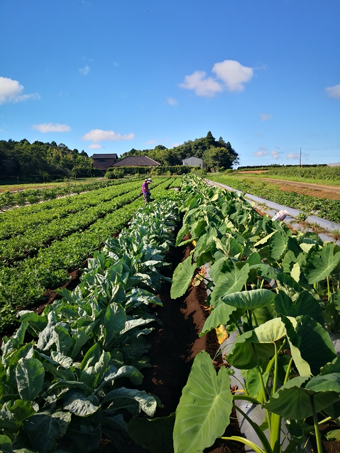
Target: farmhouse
(193,162)
(104,161)
(136,161)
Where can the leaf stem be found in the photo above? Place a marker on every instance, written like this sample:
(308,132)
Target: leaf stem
(316,426)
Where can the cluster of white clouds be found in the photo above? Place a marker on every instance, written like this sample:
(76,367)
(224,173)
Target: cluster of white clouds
(10,91)
(230,75)
(262,151)
(265,117)
(333,92)
(98,135)
(172,101)
(85,70)
(50,127)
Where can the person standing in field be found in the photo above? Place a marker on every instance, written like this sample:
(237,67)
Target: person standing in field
(146,190)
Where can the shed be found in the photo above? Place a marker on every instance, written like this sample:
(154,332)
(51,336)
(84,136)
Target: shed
(104,161)
(193,162)
(136,161)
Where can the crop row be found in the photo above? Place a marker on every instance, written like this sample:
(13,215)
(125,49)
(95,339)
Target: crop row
(321,172)
(20,220)
(35,237)
(281,293)
(80,377)
(25,283)
(32,196)
(324,208)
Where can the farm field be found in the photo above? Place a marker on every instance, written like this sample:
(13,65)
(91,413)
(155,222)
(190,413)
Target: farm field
(329,176)
(325,205)
(43,244)
(26,197)
(84,358)
(15,186)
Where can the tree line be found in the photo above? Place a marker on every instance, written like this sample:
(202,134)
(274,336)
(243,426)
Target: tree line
(44,160)
(216,154)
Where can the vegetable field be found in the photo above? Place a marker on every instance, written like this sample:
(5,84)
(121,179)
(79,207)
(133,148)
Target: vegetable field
(42,244)
(280,292)
(73,375)
(324,208)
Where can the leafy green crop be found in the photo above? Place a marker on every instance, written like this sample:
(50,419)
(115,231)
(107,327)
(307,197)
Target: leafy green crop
(327,209)
(76,380)
(281,292)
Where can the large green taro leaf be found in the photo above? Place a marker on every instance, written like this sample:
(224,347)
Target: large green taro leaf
(182,278)
(220,315)
(322,264)
(248,300)
(256,346)
(228,283)
(294,402)
(309,344)
(30,375)
(204,409)
(305,304)
(277,245)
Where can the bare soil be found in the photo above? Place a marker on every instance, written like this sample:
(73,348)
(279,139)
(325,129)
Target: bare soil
(174,345)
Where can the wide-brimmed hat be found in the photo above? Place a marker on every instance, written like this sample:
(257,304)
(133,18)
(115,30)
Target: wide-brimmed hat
(148,180)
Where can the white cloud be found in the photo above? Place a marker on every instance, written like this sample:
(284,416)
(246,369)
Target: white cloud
(173,145)
(94,146)
(333,92)
(10,91)
(230,76)
(275,154)
(49,127)
(233,74)
(201,85)
(293,156)
(97,135)
(172,101)
(262,151)
(84,70)
(265,117)
(150,142)
(115,64)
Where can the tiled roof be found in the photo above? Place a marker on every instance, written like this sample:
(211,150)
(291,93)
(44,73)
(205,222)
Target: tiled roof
(105,156)
(136,161)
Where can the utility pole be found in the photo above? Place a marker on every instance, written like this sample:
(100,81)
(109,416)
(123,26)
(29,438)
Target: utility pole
(300,158)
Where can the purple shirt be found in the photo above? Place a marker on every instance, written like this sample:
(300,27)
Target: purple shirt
(145,188)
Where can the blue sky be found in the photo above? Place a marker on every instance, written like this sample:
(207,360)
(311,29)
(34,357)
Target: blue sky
(110,75)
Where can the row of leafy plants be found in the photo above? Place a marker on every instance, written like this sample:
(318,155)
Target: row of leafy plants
(322,207)
(32,196)
(115,172)
(35,237)
(18,221)
(69,376)
(320,172)
(280,292)
(24,283)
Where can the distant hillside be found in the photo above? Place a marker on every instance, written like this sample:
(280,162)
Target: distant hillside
(46,160)
(215,153)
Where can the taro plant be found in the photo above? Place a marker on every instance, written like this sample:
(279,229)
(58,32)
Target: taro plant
(277,289)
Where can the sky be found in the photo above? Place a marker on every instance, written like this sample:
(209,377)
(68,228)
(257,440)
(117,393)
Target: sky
(106,76)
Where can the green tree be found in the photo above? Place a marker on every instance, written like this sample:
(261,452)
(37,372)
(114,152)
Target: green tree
(209,140)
